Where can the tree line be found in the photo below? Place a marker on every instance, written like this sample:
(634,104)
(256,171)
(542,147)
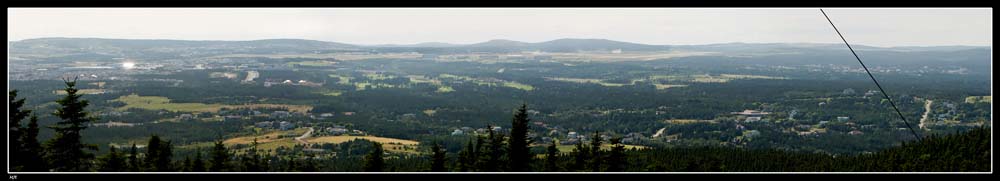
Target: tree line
(497,151)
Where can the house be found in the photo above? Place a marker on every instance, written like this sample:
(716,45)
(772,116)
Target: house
(634,135)
(280,114)
(348,113)
(751,113)
(843,118)
(571,134)
(855,132)
(457,132)
(497,128)
(752,119)
(336,131)
(285,125)
(185,117)
(326,115)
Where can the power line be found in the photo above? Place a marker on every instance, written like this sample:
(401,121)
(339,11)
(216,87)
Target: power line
(870,75)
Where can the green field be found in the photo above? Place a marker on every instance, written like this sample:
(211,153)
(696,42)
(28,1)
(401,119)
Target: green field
(318,63)
(163,103)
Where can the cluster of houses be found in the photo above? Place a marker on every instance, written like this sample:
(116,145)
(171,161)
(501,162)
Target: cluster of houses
(271,82)
(283,125)
(750,115)
(470,131)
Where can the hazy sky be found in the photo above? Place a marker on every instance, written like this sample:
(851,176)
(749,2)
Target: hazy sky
(878,27)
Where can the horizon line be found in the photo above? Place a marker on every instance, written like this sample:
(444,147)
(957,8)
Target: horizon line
(494,39)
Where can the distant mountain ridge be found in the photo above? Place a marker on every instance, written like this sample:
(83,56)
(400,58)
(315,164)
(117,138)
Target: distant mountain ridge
(496,45)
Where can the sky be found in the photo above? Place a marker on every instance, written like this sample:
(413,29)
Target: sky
(371,26)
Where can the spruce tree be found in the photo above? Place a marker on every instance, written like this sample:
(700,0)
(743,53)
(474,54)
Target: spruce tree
(153,154)
(581,154)
(197,165)
(374,161)
(552,158)
(186,164)
(165,160)
(467,158)
(134,164)
(308,166)
(595,152)
(31,156)
(251,160)
(112,162)
(494,152)
(518,151)
(438,158)
(15,131)
(220,158)
(66,151)
(616,157)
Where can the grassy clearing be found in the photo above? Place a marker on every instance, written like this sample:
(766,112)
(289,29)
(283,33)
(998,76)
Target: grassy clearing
(375,76)
(589,81)
(389,144)
(978,99)
(81,91)
(268,137)
(228,75)
(317,63)
(667,86)
(163,103)
(420,79)
(688,121)
(484,82)
(333,93)
(430,112)
(706,78)
(343,80)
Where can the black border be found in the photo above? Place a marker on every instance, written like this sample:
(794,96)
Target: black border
(483,3)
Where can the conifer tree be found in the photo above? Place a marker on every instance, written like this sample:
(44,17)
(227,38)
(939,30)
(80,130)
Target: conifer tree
(112,162)
(220,158)
(595,152)
(552,158)
(134,164)
(374,161)
(467,158)
(438,158)
(31,155)
(15,131)
(581,154)
(197,165)
(518,151)
(66,151)
(616,157)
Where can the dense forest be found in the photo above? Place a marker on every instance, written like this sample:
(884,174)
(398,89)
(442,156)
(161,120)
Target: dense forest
(504,151)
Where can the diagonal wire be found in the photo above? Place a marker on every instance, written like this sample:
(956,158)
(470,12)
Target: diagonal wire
(872,76)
